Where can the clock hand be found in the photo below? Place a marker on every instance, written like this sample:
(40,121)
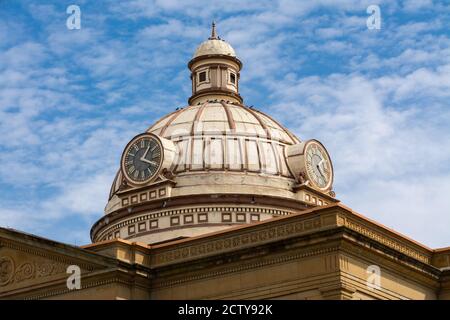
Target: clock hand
(321,173)
(149,161)
(320,162)
(323,166)
(320,169)
(145,154)
(144,159)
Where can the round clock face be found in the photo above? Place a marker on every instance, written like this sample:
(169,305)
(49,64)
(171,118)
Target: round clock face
(142,159)
(318,165)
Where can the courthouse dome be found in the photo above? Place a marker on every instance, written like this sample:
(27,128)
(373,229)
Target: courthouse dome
(223,163)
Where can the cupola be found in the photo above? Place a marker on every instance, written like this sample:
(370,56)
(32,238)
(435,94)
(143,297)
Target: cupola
(215,71)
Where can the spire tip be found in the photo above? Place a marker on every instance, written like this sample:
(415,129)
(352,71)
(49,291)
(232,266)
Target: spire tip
(213,31)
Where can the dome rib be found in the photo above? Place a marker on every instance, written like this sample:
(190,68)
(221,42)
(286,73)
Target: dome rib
(197,117)
(168,123)
(230,118)
(160,120)
(292,136)
(261,122)
(114,186)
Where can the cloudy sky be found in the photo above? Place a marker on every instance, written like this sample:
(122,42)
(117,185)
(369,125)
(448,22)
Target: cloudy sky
(379,100)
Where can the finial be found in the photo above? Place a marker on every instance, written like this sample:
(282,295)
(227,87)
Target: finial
(213,31)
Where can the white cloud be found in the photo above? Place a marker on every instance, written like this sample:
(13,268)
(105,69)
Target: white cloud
(86,197)
(416,206)
(172,29)
(414,5)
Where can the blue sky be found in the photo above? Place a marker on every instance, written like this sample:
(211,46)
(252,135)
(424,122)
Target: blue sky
(379,100)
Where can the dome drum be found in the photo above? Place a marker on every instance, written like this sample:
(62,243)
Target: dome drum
(208,210)
(214,192)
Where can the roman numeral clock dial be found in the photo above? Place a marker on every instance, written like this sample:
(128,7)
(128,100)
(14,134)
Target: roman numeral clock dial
(318,167)
(142,159)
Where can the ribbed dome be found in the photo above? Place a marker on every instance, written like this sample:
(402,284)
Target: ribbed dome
(213,47)
(218,118)
(219,135)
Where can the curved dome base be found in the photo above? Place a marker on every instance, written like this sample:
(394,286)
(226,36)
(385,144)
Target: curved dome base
(193,215)
(184,221)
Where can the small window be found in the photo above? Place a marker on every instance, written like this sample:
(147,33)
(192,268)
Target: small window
(233,78)
(202,217)
(174,221)
(142,226)
(153,224)
(188,219)
(240,217)
(226,217)
(202,76)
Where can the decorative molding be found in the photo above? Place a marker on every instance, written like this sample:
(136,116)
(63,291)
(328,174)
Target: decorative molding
(289,228)
(216,199)
(386,240)
(343,262)
(27,270)
(410,267)
(7,270)
(146,194)
(193,210)
(331,262)
(340,291)
(83,286)
(119,276)
(247,239)
(45,253)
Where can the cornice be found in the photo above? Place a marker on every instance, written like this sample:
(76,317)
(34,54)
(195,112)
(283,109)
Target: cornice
(215,91)
(57,252)
(214,56)
(299,224)
(364,248)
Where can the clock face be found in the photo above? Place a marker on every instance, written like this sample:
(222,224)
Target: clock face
(318,165)
(141,159)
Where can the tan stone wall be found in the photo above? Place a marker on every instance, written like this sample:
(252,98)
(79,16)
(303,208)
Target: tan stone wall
(394,284)
(299,278)
(330,276)
(112,291)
